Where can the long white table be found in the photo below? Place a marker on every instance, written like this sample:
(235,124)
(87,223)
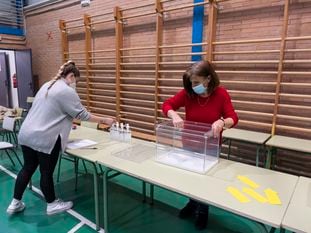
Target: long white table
(298,214)
(209,188)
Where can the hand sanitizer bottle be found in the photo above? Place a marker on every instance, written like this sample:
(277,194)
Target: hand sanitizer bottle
(116,135)
(128,134)
(121,136)
(112,131)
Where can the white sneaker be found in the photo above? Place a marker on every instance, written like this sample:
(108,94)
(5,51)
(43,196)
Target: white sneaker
(58,206)
(15,206)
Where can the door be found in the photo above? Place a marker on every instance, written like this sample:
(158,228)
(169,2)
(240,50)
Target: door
(4,82)
(24,76)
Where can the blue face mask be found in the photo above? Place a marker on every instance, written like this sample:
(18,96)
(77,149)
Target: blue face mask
(199,89)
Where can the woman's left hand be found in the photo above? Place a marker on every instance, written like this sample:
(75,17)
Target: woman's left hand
(217,127)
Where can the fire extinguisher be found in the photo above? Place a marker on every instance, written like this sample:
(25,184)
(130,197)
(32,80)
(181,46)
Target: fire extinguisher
(14,79)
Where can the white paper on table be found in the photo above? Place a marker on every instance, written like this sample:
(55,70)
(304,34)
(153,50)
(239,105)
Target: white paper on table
(80,143)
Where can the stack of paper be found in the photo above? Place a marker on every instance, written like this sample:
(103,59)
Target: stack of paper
(80,143)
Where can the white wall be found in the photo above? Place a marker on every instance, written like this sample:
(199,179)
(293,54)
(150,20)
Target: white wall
(11,60)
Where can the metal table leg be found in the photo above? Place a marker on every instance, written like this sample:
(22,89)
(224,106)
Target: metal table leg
(95,176)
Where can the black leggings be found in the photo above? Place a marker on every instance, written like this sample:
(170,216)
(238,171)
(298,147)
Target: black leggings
(47,163)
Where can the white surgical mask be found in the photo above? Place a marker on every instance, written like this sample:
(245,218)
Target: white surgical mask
(73,85)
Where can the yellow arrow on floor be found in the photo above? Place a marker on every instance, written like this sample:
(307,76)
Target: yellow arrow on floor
(237,194)
(248,181)
(273,197)
(255,195)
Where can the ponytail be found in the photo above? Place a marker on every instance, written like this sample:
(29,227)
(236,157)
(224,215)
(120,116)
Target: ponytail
(64,70)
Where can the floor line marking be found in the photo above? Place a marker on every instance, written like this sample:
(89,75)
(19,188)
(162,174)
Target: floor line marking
(71,212)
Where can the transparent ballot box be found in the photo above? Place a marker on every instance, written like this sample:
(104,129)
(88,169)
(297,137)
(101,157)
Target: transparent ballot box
(192,147)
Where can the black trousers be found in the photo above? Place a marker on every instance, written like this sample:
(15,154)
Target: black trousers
(47,164)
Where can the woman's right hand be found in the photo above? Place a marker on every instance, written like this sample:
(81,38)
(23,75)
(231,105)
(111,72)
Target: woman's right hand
(177,120)
(108,121)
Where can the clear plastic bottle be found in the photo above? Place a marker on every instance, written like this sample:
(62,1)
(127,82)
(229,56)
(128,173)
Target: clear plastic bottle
(128,133)
(121,135)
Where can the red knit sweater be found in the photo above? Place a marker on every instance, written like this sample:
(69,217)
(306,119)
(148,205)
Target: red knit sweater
(205,110)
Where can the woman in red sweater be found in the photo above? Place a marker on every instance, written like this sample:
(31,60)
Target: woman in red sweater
(204,101)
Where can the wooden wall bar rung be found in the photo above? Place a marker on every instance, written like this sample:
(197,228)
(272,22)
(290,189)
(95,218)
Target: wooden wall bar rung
(182,45)
(137,107)
(100,109)
(171,71)
(245,72)
(297,61)
(299,107)
(103,84)
(170,79)
(97,57)
(105,103)
(253,103)
(247,62)
(180,54)
(137,100)
(106,91)
(137,71)
(295,95)
(298,50)
(101,96)
(102,64)
(296,84)
(137,63)
(247,41)
(137,48)
(76,59)
(123,113)
(246,52)
(75,52)
(298,38)
(169,88)
(136,93)
(102,71)
(102,50)
(252,92)
(138,86)
(298,118)
(296,72)
(101,78)
(296,129)
(176,63)
(255,123)
(138,122)
(135,78)
(137,56)
(255,113)
(184,6)
(248,82)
